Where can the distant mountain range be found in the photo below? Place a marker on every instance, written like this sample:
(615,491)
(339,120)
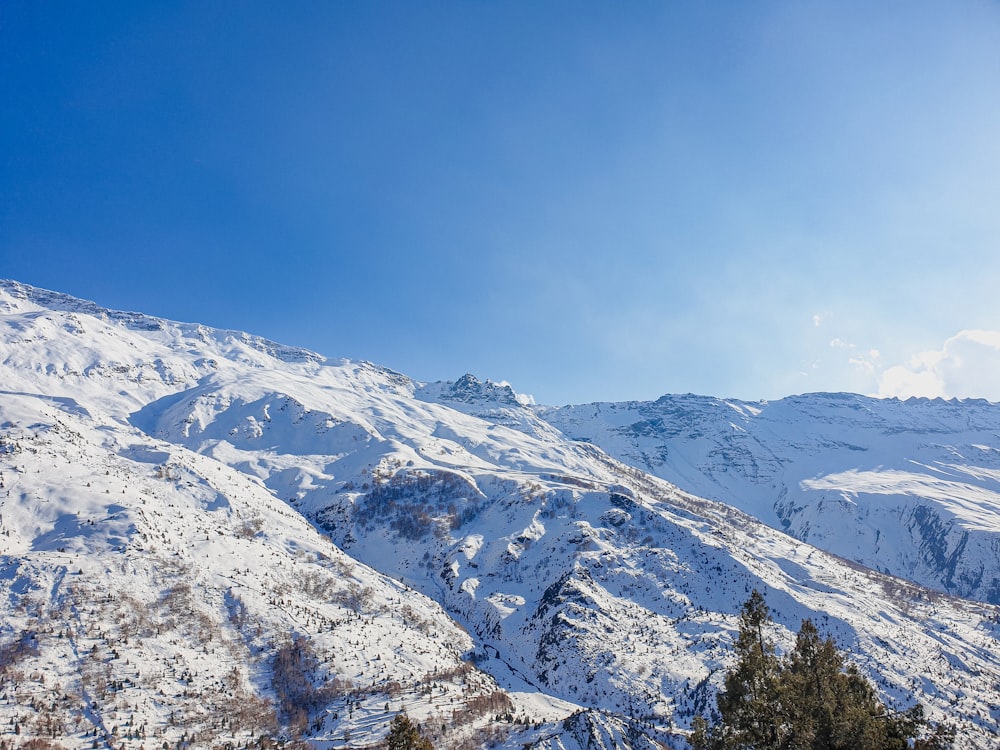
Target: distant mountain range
(208,538)
(910,488)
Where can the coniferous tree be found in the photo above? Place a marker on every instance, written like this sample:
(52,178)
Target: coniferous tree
(749,700)
(404,735)
(832,706)
(810,700)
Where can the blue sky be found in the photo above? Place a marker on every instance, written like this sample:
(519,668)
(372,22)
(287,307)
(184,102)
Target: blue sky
(592,201)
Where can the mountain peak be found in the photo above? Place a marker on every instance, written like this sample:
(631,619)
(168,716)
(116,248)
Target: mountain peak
(470,389)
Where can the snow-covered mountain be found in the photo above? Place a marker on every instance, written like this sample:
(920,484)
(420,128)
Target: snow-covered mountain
(207,537)
(910,488)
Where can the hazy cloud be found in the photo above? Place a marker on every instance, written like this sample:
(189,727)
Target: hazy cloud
(867,362)
(966,366)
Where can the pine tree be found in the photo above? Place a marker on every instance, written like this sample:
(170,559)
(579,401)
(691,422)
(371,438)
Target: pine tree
(832,706)
(404,735)
(750,698)
(810,700)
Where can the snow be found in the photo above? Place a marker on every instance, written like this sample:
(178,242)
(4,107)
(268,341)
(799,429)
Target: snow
(909,488)
(977,506)
(178,503)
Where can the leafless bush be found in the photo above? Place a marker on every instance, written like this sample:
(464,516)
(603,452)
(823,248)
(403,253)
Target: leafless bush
(14,653)
(250,528)
(497,702)
(297,684)
(318,585)
(356,598)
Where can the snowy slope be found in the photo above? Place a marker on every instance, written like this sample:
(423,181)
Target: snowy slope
(182,503)
(910,488)
(152,593)
(157,587)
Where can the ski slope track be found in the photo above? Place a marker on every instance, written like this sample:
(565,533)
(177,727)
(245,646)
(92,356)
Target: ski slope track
(206,537)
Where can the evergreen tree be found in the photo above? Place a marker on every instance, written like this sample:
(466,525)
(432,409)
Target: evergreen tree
(811,700)
(404,735)
(750,698)
(831,706)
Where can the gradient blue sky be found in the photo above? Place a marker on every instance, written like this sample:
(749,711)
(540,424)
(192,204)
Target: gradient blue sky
(592,201)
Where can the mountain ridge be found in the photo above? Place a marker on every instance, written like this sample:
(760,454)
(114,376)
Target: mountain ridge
(842,471)
(462,559)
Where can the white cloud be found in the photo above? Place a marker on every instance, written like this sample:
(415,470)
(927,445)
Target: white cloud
(867,362)
(525,399)
(966,366)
